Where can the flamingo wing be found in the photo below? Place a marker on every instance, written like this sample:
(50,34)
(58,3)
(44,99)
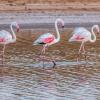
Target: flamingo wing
(80,34)
(45,38)
(5,36)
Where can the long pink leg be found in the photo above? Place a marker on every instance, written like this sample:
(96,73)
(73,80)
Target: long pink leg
(83,50)
(3,50)
(81,47)
(79,52)
(44,49)
(42,53)
(84,53)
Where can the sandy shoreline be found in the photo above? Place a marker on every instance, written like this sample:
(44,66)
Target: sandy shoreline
(57,7)
(43,20)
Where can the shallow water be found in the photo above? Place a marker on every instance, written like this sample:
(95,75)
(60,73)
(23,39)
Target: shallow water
(24,78)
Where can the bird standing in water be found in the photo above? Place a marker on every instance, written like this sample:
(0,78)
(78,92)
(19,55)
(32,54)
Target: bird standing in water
(82,35)
(6,37)
(48,39)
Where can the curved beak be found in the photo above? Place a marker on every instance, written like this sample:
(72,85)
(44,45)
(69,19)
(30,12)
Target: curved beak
(63,26)
(17,28)
(98,31)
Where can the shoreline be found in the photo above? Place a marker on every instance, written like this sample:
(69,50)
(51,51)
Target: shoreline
(46,7)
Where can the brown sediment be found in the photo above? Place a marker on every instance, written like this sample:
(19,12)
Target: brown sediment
(47,7)
(47,1)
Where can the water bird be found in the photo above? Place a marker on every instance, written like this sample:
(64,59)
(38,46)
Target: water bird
(81,34)
(48,39)
(7,37)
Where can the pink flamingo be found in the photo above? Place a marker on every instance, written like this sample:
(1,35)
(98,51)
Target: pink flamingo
(6,37)
(82,35)
(48,39)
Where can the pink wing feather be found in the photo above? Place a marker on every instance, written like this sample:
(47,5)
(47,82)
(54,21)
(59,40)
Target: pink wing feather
(45,38)
(79,37)
(2,40)
(48,40)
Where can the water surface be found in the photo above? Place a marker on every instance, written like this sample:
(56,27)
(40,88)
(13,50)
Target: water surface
(24,78)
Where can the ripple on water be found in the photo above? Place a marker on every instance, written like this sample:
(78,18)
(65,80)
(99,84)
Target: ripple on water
(24,78)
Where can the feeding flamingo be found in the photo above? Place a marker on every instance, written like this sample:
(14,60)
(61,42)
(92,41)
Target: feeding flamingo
(6,37)
(48,39)
(82,35)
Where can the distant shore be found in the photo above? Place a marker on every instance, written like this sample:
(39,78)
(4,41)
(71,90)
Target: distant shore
(44,15)
(45,7)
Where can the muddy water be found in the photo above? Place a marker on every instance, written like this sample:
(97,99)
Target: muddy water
(23,76)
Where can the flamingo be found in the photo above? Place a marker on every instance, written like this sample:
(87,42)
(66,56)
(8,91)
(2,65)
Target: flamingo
(82,35)
(48,39)
(6,37)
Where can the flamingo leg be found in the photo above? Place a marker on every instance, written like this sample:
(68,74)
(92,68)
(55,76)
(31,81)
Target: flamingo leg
(44,50)
(85,55)
(42,53)
(79,52)
(81,47)
(54,63)
(43,58)
(3,50)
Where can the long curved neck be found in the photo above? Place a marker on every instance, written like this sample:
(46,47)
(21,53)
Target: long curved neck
(94,36)
(57,31)
(13,33)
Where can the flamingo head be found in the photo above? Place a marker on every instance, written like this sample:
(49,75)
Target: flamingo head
(16,25)
(60,21)
(97,28)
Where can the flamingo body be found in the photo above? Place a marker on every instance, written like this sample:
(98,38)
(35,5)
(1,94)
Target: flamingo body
(48,39)
(5,37)
(45,39)
(80,34)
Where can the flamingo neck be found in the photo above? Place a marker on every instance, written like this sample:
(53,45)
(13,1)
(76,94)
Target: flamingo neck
(94,36)
(57,31)
(13,33)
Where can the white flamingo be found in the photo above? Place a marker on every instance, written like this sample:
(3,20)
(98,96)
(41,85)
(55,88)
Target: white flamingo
(48,39)
(6,37)
(82,35)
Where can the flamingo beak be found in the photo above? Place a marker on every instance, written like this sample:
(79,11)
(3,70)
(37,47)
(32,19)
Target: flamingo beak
(98,31)
(17,28)
(63,26)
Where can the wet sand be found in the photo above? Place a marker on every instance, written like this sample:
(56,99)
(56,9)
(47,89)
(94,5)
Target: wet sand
(47,7)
